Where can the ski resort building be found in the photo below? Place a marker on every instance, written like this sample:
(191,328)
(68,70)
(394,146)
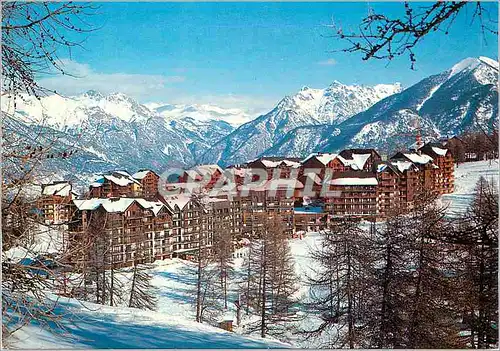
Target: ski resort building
(189,225)
(115,184)
(273,197)
(121,232)
(443,159)
(355,195)
(142,225)
(149,182)
(55,204)
(309,218)
(276,165)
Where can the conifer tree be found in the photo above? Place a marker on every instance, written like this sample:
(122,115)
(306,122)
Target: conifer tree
(143,294)
(272,280)
(477,236)
(337,285)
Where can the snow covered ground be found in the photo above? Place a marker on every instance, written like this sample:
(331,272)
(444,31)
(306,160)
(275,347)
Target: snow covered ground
(88,325)
(466,177)
(172,325)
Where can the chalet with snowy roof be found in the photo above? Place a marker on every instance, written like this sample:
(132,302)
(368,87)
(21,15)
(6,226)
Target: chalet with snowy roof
(208,175)
(188,222)
(442,157)
(388,176)
(276,165)
(409,182)
(359,159)
(323,161)
(425,164)
(55,204)
(136,230)
(149,182)
(115,184)
(237,175)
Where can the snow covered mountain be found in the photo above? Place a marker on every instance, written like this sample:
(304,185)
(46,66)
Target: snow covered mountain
(114,131)
(314,107)
(201,112)
(461,98)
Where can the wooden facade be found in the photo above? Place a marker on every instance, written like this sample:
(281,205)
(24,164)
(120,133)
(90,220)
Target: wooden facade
(357,196)
(115,184)
(132,230)
(364,187)
(149,183)
(444,178)
(55,203)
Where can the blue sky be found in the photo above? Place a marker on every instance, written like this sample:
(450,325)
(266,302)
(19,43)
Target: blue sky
(246,55)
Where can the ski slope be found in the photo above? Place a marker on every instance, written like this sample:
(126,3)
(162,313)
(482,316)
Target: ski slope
(466,177)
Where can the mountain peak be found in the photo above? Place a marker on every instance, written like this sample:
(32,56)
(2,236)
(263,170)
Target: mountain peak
(336,83)
(466,64)
(388,89)
(94,94)
(490,62)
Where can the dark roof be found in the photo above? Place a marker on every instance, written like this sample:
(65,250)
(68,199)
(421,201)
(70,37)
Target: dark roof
(427,149)
(238,165)
(399,156)
(387,163)
(347,153)
(431,144)
(280,158)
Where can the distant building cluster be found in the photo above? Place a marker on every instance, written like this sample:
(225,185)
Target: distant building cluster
(146,216)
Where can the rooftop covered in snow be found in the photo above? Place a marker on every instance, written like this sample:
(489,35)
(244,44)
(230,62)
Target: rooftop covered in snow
(61,188)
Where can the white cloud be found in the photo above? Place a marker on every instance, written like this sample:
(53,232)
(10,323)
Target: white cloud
(329,62)
(80,77)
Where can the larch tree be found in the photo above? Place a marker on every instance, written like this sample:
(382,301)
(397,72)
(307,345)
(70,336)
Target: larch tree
(209,283)
(476,233)
(272,280)
(337,285)
(223,253)
(143,294)
(428,289)
(390,250)
(33,33)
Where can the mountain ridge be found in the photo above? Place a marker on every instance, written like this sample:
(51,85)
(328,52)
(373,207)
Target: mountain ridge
(117,131)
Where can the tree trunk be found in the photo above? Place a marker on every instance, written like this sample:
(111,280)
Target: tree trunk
(133,286)
(350,317)
(111,287)
(248,282)
(413,342)
(263,309)
(384,332)
(198,286)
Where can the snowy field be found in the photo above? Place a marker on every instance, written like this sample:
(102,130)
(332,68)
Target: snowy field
(173,324)
(466,177)
(88,325)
